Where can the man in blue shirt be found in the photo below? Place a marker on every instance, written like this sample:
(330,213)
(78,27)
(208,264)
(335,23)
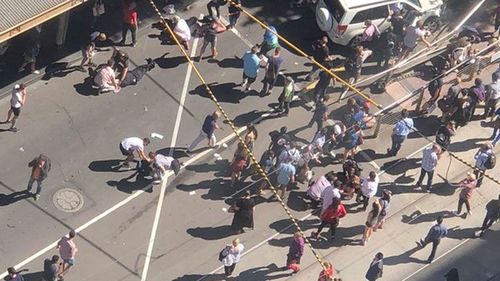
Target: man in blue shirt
(434,236)
(401,130)
(251,64)
(286,175)
(207,131)
(481,157)
(429,162)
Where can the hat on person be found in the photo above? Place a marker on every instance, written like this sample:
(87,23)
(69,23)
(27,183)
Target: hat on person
(175,166)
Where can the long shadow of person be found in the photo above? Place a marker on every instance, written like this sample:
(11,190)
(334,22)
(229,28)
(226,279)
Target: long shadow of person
(7,199)
(127,186)
(417,217)
(211,233)
(405,257)
(263,273)
(110,165)
(196,277)
(169,62)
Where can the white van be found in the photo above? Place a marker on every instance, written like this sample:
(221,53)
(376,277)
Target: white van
(343,20)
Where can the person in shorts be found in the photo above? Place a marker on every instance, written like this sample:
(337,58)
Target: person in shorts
(88,51)
(210,37)
(17,101)
(50,268)
(133,144)
(251,64)
(67,250)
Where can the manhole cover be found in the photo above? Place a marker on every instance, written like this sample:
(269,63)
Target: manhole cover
(68,200)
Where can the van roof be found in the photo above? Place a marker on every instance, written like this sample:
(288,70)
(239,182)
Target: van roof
(354,4)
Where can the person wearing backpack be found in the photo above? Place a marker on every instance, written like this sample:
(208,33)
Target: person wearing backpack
(331,216)
(230,256)
(444,134)
(484,160)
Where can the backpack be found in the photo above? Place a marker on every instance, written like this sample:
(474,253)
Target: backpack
(223,253)
(491,161)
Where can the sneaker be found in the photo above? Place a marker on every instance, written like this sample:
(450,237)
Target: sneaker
(469,213)
(156,181)
(13,129)
(37,196)
(428,190)
(418,187)
(421,242)
(36,72)
(134,44)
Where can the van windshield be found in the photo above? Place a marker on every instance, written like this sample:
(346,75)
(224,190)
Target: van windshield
(416,2)
(335,9)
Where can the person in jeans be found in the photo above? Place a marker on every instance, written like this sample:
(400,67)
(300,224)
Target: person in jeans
(129,17)
(481,157)
(272,69)
(400,132)
(430,160)
(468,185)
(233,13)
(320,114)
(321,54)
(207,131)
(434,236)
(375,270)
(51,268)
(67,250)
(40,167)
(216,5)
(492,214)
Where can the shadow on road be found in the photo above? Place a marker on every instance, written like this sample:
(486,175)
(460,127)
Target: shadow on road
(211,233)
(7,199)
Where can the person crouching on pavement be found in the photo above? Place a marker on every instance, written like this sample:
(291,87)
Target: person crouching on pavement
(162,164)
(106,80)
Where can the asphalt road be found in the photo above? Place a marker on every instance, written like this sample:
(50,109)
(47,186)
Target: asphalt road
(81,132)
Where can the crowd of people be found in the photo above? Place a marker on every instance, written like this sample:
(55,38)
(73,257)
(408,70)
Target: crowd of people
(285,161)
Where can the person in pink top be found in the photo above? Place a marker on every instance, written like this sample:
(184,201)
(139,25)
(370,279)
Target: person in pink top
(67,250)
(370,33)
(106,79)
(468,185)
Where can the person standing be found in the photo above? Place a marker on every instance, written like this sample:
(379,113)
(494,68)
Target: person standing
(371,221)
(321,54)
(430,160)
(133,144)
(400,132)
(17,101)
(286,176)
(331,216)
(412,35)
(320,114)
(251,64)
(270,40)
(434,236)
(330,191)
(233,13)
(444,134)
(233,256)
(468,185)
(40,167)
(369,188)
(30,55)
(216,5)
(482,156)
(370,34)
(327,273)
(272,69)
(495,137)
(243,213)
(323,83)
(129,17)
(51,268)
(493,97)
(14,275)
(182,31)
(286,96)
(210,37)
(492,214)
(67,250)
(295,252)
(353,65)
(376,268)
(89,49)
(385,206)
(207,132)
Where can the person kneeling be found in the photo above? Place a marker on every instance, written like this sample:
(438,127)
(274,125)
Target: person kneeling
(106,79)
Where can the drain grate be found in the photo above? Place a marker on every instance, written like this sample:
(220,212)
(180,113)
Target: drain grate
(68,200)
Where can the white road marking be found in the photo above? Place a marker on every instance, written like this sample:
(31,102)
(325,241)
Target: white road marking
(256,246)
(161,198)
(237,33)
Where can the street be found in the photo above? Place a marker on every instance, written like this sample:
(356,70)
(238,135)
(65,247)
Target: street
(126,233)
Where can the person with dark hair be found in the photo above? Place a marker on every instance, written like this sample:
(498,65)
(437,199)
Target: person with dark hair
(385,206)
(321,54)
(434,236)
(272,70)
(286,96)
(295,252)
(67,250)
(331,216)
(444,134)
(121,62)
(493,96)
(13,275)
(215,4)
(134,76)
(323,83)
(129,17)
(40,167)
(320,114)
(51,268)
(238,163)
(370,34)
(429,163)
(279,142)
(375,270)
(89,49)
(233,13)
(492,215)
(162,164)
(17,101)
(133,144)
(30,55)
(210,37)
(400,132)
(477,94)
(468,186)
(243,213)
(371,221)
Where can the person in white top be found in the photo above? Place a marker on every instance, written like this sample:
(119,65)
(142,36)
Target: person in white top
(133,144)
(233,256)
(162,164)
(182,31)
(412,35)
(17,101)
(106,79)
(330,192)
(369,188)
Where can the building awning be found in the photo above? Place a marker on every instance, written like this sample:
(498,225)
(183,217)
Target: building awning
(18,16)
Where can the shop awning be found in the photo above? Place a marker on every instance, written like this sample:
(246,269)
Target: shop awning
(18,16)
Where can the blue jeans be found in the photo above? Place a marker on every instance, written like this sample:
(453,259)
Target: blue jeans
(495,136)
(396,143)
(38,185)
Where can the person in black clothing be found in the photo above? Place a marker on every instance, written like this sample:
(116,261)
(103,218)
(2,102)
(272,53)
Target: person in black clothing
(320,89)
(137,73)
(279,141)
(51,268)
(120,59)
(435,86)
(321,54)
(434,236)
(477,94)
(234,13)
(398,25)
(215,4)
(375,270)
(492,214)
(386,47)
(320,114)
(444,134)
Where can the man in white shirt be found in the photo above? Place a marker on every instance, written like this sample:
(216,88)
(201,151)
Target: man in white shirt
(17,101)
(106,79)
(369,188)
(412,35)
(182,31)
(330,192)
(133,144)
(493,97)
(162,164)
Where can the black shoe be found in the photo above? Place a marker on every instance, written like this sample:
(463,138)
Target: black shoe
(13,129)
